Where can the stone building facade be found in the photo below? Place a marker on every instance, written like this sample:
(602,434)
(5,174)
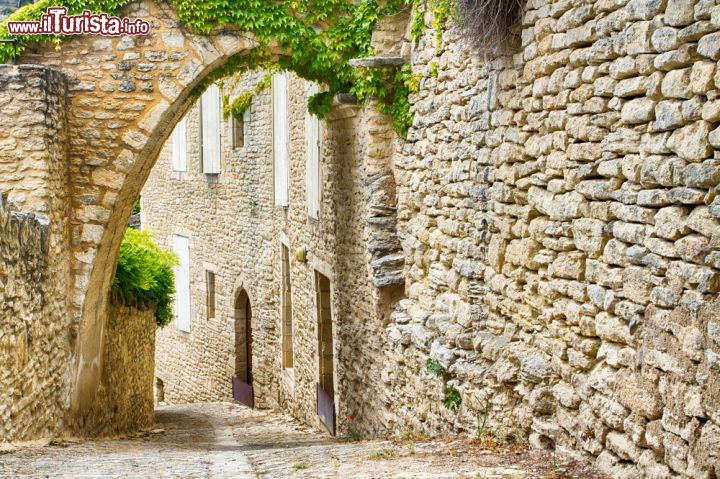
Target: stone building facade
(249,245)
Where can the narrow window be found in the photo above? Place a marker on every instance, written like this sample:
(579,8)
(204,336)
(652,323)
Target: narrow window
(210,280)
(181,246)
(210,114)
(179,146)
(312,174)
(280,139)
(286,305)
(238,131)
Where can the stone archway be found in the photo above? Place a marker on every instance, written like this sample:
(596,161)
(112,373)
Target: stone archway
(101,108)
(115,102)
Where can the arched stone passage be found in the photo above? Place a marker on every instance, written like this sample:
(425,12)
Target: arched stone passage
(123,97)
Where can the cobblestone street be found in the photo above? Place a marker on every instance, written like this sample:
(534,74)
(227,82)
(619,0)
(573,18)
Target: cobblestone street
(229,441)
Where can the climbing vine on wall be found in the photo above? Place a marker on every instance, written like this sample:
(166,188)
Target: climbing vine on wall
(316,37)
(237,106)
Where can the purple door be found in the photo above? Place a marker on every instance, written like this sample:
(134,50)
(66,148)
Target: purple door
(326,409)
(243,393)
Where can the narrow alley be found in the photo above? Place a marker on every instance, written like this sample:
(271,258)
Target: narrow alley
(222,440)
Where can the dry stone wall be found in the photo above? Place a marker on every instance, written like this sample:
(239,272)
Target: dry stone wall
(559,212)
(33,339)
(37,334)
(34,265)
(126,396)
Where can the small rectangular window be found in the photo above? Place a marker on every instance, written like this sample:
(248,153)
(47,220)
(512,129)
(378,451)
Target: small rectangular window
(238,132)
(286,305)
(210,294)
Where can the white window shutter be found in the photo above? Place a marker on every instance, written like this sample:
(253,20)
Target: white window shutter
(280,139)
(181,247)
(210,107)
(312,174)
(179,146)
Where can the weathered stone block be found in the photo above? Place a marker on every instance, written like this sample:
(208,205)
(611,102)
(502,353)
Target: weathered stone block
(691,142)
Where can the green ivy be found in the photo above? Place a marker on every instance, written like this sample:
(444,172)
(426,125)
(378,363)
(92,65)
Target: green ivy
(144,275)
(242,102)
(317,38)
(443,11)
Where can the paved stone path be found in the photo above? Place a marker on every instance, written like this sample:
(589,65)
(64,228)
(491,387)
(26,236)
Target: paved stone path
(229,441)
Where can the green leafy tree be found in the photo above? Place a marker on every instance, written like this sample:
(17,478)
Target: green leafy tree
(144,275)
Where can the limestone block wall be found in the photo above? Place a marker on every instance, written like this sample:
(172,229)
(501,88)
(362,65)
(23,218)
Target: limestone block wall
(34,350)
(559,212)
(37,334)
(126,396)
(34,262)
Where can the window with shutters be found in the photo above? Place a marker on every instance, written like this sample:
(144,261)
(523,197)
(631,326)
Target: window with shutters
(179,147)
(286,305)
(210,294)
(210,118)
(281,167)
(312,174)
(181,246)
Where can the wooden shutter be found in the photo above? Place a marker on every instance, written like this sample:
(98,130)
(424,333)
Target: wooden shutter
(312,173)
(280,139)
(182,283)
(210,130)
(179,146)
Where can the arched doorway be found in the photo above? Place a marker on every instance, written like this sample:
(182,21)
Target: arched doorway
(242,381)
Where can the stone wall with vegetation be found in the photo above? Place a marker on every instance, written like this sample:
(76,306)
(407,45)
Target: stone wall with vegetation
(38,338)
(559,212)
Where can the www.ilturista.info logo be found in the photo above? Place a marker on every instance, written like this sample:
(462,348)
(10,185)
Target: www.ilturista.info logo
(57,22)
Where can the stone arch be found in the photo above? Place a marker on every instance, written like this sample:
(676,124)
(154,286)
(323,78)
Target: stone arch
(120,98)
(123,97)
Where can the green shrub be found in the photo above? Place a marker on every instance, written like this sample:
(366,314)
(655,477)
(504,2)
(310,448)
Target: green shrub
(452,400)
(144,275)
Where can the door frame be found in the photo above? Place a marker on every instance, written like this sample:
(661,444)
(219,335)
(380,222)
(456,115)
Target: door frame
(242,387)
